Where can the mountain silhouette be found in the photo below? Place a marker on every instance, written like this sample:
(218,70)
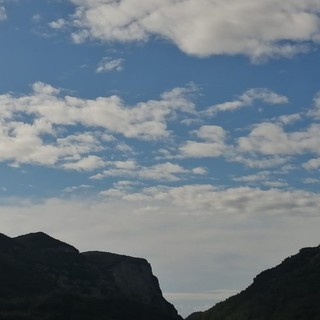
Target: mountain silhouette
(42,278)
(289,291)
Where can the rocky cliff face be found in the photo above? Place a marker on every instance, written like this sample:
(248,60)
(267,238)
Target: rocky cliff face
(44,278)
(289,291)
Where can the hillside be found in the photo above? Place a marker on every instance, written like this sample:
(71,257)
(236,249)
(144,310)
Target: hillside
(290,291)
(44,278)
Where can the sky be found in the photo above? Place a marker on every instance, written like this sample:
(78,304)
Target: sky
(186,132)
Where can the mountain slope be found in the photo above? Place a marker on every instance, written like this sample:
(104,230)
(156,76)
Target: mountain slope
(44,278)
(290,291)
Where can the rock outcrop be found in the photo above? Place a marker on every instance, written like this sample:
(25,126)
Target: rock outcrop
(44,278)
(290,291)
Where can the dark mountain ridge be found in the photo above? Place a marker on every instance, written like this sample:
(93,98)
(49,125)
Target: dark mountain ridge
(289,291)
(44,278)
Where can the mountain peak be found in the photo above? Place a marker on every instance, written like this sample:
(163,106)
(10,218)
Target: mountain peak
(3,237)
(42,241)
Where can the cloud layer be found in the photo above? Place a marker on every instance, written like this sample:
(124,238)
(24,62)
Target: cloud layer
(35,128)
(207,199)
(236,242)
(48,128)
(263,29)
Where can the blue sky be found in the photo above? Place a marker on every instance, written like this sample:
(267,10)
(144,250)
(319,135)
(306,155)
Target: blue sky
(186,132)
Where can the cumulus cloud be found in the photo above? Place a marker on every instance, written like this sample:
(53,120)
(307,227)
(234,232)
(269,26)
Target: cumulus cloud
(247,99)
(108,64)
(87,163)
(289,119)
(41,127)
(58,24)
(312,164)
(271,139)
(47,127)
(22,142)
(146,120)
(260,30)
(213,145)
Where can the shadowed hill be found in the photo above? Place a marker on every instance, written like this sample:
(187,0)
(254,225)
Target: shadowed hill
(44,278)
(290,291)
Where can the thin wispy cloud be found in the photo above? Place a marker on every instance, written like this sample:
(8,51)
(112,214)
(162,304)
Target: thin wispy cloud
(247,99)
(3,12)
(108,64)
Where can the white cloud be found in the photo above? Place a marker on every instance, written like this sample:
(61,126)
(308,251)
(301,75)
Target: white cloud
(189,122)
(207,199)
(163,171)
(211,133)
(146,120)
(271,139)
(36,18)
(247,99)
(35,128)
(108,64)
(41,128)
(213,145)
(275,184)
(194,149)
(312,164)
(254,161)
(263,29)
(311,181)
(315,110)
(22,143)
(199,170)
(88,163)
(270,144)
(44,89)
(77,188)
(3,13)
(58,24)
(260,176)
(289,119)
(126,184)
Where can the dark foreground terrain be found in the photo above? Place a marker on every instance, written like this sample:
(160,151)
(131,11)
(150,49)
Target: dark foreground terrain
(42,278)
(290,291)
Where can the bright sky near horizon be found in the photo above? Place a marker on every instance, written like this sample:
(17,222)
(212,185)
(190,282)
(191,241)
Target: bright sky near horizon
(183,131)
